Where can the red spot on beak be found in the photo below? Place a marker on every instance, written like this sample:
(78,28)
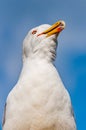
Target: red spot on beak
(59,29)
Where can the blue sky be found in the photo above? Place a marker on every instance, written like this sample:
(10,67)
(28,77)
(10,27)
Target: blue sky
(17,17)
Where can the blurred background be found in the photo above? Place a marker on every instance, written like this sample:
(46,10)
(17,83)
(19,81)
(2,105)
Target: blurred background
(17,17)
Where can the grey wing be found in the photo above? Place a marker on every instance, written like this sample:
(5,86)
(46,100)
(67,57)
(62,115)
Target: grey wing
(3,121)
(72,112)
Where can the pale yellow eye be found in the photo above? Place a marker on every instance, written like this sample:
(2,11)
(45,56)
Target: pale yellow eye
(34,32)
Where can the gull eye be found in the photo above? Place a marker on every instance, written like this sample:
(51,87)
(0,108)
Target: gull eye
(34,32)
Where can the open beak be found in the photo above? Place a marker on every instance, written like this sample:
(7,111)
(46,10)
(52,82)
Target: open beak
(56,28)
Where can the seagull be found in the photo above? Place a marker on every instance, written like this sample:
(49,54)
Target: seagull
(39,100)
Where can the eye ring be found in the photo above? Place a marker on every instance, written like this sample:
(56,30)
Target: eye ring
(34,32)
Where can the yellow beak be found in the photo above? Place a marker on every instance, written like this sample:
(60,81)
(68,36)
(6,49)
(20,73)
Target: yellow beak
(56,28)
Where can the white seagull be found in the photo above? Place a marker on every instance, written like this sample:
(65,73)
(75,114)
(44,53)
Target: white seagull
(39,100)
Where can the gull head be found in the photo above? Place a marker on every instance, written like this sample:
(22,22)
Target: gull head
(41,41)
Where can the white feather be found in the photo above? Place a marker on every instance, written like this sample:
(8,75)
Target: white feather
(39,100)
